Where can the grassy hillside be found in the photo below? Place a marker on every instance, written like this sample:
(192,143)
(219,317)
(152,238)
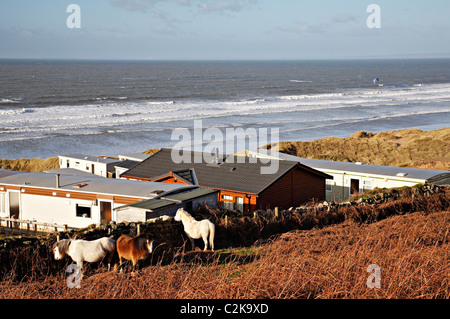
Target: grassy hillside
(408,238)
(411,250)
(408,148)
(30,165)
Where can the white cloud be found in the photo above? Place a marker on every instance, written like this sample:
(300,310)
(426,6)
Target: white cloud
(134,5)
(205,6)
(343,18)
(224,5)
(302,27)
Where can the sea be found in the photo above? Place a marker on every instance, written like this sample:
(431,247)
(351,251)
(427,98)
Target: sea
(59,107)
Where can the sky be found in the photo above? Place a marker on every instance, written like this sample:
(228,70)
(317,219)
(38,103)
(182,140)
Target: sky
(224,29)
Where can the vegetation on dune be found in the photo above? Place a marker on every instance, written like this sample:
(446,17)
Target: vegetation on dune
(30,165)
(406,148)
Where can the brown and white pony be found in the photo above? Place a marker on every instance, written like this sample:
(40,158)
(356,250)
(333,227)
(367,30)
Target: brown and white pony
(133,248)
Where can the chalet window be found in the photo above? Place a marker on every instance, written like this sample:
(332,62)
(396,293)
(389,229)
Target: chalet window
(83,211)
(329,185)
(227,202)
(240,204)
(228,205)
(367,186)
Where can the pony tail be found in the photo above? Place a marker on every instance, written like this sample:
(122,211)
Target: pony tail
(212,231)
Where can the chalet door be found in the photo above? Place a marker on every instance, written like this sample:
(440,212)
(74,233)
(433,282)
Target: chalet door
(105,212)
(354,187)
(190,207)
(14,206)
(93,168)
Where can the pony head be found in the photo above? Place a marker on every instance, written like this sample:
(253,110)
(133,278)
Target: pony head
(149,245)
(60,248)
(178,214)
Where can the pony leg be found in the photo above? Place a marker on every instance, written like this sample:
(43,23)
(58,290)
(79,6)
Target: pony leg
(80,267)
(120,264)
(192,243)
(205,240)
(135,266)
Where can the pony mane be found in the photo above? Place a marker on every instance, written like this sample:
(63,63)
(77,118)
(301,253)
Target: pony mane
(140,242)
(63,245)
(186,214)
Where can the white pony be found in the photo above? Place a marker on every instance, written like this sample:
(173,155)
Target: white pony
(196,229)
(82,250)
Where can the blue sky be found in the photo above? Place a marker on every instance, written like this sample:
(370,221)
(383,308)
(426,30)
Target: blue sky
(224,29)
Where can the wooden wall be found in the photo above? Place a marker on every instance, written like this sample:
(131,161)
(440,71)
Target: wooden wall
(294,188)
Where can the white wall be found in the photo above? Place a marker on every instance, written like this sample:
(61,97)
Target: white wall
(100,169)
(341,184)
(45,209)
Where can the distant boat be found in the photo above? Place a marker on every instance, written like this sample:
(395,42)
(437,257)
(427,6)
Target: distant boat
(376,82)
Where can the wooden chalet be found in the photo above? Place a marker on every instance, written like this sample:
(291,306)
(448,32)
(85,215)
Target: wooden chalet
(239,180)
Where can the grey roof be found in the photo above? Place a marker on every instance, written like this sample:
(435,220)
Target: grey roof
(135,156)
(127,164)
(68,171)
(5,172)
(94,184)
(91,158)
(169,200)
(148,204)
(190,194)
(325,165)
(237,173)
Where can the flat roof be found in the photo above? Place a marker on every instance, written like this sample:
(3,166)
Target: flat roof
(94,184)
(169,200)
(68,171)
(134,156)
(5,172)
(191,194)
(368,169)
(91,158)
(149,204)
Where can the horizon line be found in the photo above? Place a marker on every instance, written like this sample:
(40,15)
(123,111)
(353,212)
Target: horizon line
(224,59)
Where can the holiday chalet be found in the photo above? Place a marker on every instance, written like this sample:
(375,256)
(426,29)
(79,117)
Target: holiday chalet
(239,180)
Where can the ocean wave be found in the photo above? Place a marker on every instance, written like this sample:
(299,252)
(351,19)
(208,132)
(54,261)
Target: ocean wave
(10,101)
(333,108)
(15,112)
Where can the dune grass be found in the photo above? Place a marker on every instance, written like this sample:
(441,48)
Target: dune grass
(30,165)
(406,148)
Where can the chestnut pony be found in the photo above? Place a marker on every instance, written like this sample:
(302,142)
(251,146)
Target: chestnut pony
(133,248)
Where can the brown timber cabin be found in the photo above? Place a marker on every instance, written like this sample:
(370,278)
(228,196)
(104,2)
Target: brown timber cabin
(239,180)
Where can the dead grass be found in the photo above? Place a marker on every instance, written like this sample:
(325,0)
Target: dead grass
(30,165)
(409,147)
(411,247)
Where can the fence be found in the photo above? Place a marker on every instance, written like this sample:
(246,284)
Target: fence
(13,225)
